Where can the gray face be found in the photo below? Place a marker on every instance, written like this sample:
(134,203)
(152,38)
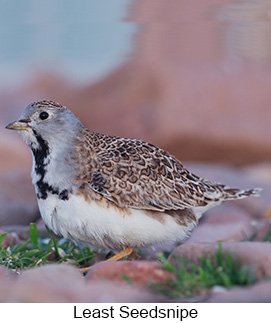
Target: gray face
(50,130)
(49,120)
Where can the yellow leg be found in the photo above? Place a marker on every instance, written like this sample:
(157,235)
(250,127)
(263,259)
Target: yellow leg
(84,270)
(120,255)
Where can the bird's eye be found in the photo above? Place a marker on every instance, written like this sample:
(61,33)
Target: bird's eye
(44,115)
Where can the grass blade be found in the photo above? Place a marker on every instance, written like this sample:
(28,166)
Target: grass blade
(20,247)
(54,242)
(2,237)
(34,235)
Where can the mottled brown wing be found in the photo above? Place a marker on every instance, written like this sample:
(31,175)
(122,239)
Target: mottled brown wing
(136,174)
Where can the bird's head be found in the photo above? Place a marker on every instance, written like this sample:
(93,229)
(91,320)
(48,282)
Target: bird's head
(48,120)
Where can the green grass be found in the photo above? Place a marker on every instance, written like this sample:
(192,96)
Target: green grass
(37,251)
(220,270)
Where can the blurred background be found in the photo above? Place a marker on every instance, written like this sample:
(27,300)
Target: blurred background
(193,77)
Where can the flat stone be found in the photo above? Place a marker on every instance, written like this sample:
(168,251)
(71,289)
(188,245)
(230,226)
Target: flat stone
(113,292)
(137,273)
(64,283)
(7,275)
(228,231)
(225,213)
(257,293)
(263,231)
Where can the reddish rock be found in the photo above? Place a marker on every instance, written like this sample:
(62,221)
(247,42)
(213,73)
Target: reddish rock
(43,284)
(10,239)
(108,292)
(257,293)
(228,231)
(63,283)
(226,222)
(260,172)
(263,232)
(7,275)
(136,273)
(254,254)
(225,213)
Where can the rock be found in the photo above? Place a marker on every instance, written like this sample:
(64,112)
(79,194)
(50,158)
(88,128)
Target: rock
(226,222)
(212,232)
(257,293)
(10,239)
(260,172)
(254,254)
(137,273)
(18,203)
(263,232)
(225,213)
(108,292)
(44,284)
(7,275)
(63,283)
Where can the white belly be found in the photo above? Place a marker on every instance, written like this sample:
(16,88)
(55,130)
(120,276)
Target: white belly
(91,223)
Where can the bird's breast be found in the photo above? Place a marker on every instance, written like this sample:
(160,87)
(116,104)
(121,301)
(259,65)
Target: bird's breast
(97,222)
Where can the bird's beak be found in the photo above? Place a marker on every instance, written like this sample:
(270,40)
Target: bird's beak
(18,125)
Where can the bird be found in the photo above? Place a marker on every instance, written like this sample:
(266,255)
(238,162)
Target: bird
(111,192)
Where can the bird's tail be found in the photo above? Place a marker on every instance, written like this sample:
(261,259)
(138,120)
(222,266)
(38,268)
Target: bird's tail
(233,193)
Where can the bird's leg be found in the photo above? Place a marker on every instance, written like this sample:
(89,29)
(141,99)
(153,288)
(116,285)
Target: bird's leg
(84,270)
(120,255)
